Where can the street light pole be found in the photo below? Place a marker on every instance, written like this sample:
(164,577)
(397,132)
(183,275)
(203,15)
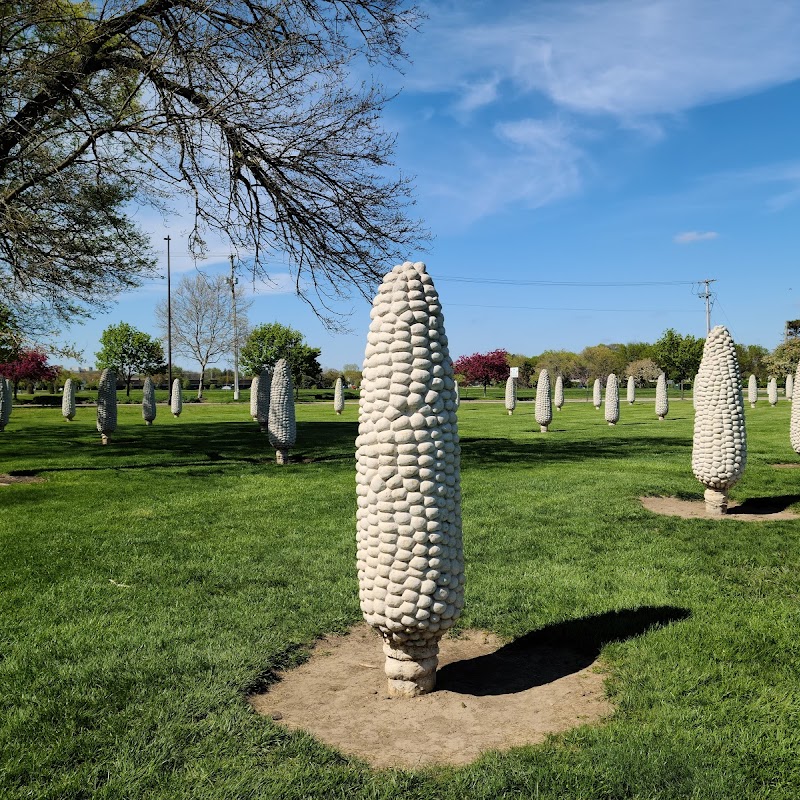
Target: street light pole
(169,321)
(233,280)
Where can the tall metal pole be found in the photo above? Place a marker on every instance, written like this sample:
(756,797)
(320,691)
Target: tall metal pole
(233,280)
(169,320)
(707,297)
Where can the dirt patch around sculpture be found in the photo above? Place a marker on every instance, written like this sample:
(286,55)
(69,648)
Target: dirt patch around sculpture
(10,480)
(757,509)
(490,695)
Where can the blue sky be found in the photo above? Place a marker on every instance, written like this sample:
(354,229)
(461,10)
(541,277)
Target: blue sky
(616,141)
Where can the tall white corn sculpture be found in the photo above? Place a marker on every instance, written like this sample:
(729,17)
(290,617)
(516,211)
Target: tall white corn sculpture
(338,396)
(107,405)
(410,557)
(5,402)
(752,391)
(281,429)
(149,401)
(457,398)
(612,399)
(68,400)
(263,392)
(789,391)
(662,402)
(254,398)
(719,451)
(597,396)
(558,399)
(794,424)
(631,389)
(694,393)
(511,395)
(544,408)
(772,391)
(176,398)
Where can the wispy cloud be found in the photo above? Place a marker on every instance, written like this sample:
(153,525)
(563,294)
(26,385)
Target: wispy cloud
(689,237)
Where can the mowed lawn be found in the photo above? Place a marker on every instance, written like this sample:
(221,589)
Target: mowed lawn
(146,587)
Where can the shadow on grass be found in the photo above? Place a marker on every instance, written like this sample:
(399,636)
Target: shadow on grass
(552,652)
(764,505)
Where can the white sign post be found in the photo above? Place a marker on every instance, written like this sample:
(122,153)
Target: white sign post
(514,372)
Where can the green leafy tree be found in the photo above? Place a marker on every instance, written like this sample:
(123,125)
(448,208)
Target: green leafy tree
(129,352)
(602,360)
(270,342)
(352,374)
(678,356)
(526,365)
(752,360)
(643,370)
(784,358)
(247,109)
(563,362)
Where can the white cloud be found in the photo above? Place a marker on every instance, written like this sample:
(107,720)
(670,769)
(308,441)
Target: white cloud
(625,58)
(688,237)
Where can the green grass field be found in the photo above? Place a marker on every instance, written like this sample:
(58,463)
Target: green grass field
(146,587)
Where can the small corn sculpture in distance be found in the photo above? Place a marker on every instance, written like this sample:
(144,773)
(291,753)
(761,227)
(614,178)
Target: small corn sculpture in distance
(612,400)
(410,559)
(789,390)
(752,391)
(694,393)
(794,424)
(457,398)
(263,394)
(176,398)
(511,395)
(772,391)
(68,400)
(148,401)
(107,405)
(544,408)
(558,393)
(338,397)
(5,402)
(254,398)
(719,450)
(597,395)
(662,401)
(281,429)
(631,390)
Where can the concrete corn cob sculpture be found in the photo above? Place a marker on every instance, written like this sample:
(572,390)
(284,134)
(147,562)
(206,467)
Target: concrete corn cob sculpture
(410,557)
(148,401)
(5,402)
(612,400)
(694,392)
(176,398)
(107,405)
(794,424)
(457,398)
(597,397)
(281,429)
(338,396)
(254,398)
(719,450)
(631,389)
(263,394)
(511,395)
(544,409)
(558,393)
(662,401)
(772,391)
(752,391)
(68,400)
(789,390)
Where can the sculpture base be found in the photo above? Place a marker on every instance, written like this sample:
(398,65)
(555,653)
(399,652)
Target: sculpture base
(661,419)
(410,668)
(148,422)
(716,502)
(543,428)
(510,413)
(752,405)
(281,457)
(612,424)
(104,438)
(338,413)
(558,408)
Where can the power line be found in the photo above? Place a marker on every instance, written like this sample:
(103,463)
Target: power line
(611,310)
(610,284)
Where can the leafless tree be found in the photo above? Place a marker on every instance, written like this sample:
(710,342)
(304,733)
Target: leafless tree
(246,108)
(202,324)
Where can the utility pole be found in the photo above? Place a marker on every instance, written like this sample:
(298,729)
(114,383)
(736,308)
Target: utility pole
(169,321)
(706,295)
(232,281)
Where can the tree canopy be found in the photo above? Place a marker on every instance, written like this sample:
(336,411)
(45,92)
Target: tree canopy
(678,355)
(483,368)
(245,110)
(129,352)
(272,341)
